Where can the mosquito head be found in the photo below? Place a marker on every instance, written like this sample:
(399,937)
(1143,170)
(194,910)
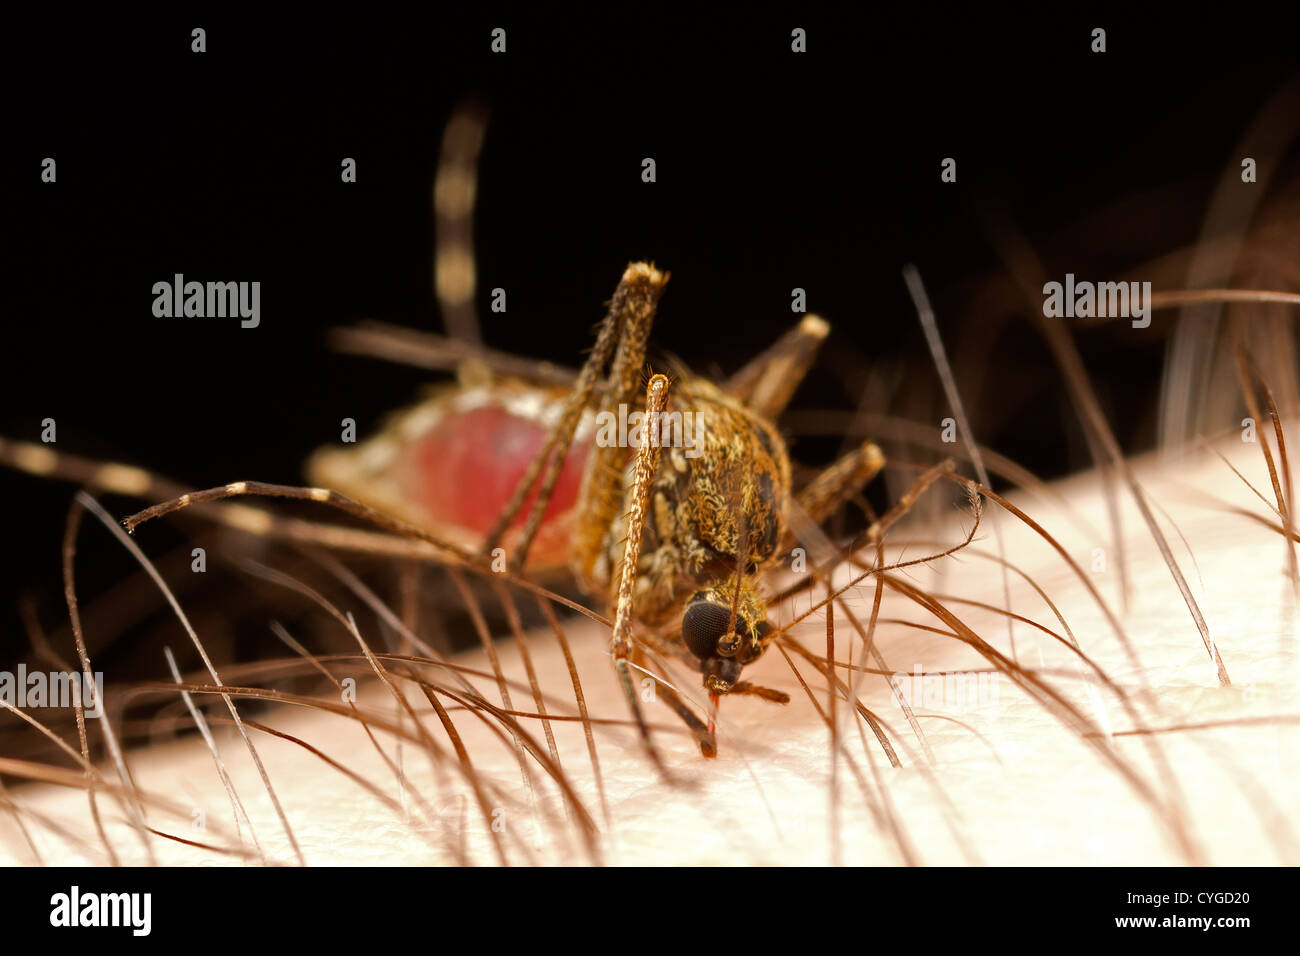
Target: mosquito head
(722,648)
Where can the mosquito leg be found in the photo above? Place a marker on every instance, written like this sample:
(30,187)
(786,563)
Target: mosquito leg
(636,299)
(658,648)
(118,479)
(757,690)
(904,504)
(600,499)
(632,306)
(620,644)
(320,495)
(822,496)
(404,541)
(440,353)
(845,478)
(768,381)
(454,189)
(703,736)
(133,482)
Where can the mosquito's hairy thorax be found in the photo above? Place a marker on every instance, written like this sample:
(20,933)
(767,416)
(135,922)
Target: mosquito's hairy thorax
(709,505)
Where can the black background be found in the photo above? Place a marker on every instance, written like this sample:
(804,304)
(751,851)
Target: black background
(775,170)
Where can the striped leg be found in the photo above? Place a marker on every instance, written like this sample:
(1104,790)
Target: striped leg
(627,325)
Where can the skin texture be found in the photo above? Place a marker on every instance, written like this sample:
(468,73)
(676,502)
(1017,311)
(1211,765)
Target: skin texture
(1005,782)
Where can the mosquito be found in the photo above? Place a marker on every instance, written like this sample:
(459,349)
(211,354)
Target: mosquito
(677,541)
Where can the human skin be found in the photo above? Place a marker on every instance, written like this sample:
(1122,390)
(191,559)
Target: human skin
(1007,780)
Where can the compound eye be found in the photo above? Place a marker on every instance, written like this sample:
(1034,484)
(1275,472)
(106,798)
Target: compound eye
(762,631)
(702,624)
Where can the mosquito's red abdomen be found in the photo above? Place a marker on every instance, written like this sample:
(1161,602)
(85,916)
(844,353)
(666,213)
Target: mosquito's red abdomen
(450,463)
(471,462)
(467,464)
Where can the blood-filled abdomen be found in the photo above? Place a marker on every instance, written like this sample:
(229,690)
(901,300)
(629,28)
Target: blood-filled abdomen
(450,464)
(470,462)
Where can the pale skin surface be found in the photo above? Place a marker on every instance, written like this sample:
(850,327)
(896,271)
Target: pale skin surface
(1021,788)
